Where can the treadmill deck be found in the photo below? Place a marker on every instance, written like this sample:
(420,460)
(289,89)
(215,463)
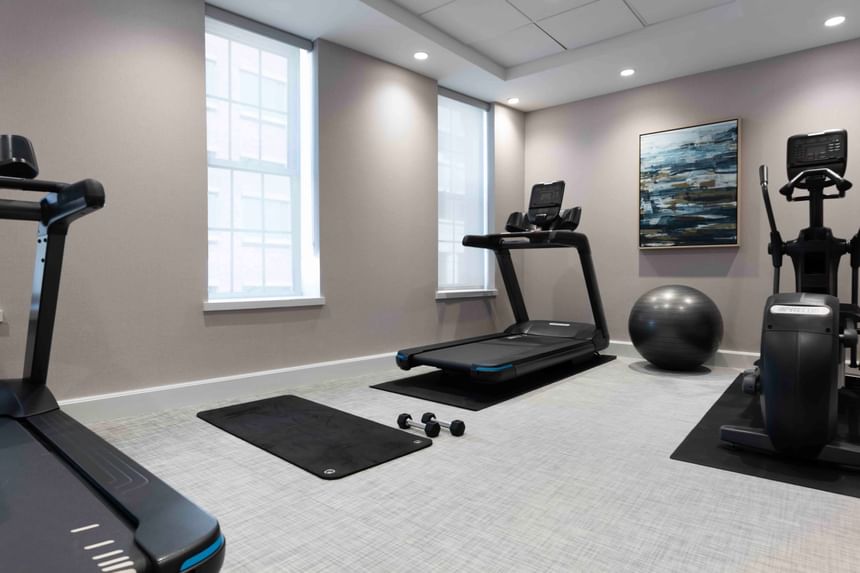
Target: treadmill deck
(501,351)
(50,519)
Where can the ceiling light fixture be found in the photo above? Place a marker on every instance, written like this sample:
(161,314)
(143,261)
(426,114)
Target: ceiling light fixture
(834,21)
(513,100)
(628,72)
(421,56)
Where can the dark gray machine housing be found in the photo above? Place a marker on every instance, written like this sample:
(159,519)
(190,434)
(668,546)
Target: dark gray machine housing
(70,501)
(800,344)
(805,334)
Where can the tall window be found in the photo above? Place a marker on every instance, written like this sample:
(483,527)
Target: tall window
(261,213)
(463,195)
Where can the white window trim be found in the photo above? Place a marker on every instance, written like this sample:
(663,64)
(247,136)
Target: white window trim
(465,293)
(219,305)
(310,260)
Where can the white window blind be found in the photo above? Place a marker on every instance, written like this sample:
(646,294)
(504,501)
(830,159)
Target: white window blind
(463,195)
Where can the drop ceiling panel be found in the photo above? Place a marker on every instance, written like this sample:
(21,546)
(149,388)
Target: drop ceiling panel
(654,11)
(472,21)
(519,46)
(591,23)
(540,9)
(421,6)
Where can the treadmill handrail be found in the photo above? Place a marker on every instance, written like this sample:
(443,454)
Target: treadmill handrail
(501,243)
(64,202)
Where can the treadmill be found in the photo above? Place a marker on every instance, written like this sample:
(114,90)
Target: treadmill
(69,501)
(528,345)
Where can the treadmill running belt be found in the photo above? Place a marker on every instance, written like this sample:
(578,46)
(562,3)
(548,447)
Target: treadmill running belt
(328,443)
(499,351)
(461,391)
(75,531)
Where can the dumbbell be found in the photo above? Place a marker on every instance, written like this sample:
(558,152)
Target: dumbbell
(457,427)
(430,428)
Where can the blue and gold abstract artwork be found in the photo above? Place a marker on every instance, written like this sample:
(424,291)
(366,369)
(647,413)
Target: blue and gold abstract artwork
(688,186)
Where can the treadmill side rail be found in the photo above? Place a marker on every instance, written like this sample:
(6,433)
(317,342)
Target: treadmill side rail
(171,530)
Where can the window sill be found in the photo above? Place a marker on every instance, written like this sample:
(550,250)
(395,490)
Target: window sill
(471,293)
(260,303)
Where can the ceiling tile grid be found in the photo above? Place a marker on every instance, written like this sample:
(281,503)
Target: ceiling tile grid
(519,46)
(472,21)
(591,23)
(539,9)
(421,6)
(514,32)
(656,11)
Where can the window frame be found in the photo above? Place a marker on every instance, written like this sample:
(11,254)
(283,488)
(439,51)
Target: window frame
(488,288)
(302,167)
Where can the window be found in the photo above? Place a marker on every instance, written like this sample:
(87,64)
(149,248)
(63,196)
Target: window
(261,198)
(463,196)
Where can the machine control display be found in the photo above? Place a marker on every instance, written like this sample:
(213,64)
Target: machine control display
(547,197)
(821,148)
(545,203)
(796,309)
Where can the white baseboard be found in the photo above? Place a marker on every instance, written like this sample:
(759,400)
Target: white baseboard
(101,407)
(726,358)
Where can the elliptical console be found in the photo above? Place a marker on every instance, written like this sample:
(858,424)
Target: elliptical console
(805,334)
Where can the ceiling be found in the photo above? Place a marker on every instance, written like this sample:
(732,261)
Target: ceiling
(548,52)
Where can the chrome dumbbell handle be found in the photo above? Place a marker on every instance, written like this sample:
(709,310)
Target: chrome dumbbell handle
(431,428)
(456,427)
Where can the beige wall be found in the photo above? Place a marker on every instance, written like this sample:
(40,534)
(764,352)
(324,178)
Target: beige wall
(593,145)
(114,90)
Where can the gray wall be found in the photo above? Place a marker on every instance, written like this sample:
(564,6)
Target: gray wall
(114,90)
(593,145)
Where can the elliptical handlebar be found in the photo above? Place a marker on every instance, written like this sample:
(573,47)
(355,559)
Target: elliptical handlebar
(828,176)
(776,248)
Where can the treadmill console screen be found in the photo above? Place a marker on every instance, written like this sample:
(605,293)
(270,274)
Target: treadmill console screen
(824,149)
(545,202)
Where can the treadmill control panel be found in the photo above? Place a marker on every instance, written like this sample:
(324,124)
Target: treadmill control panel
(545,203)
(823,149)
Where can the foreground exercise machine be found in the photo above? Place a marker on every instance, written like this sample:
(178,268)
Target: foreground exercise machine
(805,334)
(528,345)
(69,501)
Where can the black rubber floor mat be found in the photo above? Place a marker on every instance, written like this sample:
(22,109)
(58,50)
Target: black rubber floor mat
(326,442)
(463,392)
(703,446)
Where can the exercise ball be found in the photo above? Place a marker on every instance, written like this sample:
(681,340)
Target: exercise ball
(675,327)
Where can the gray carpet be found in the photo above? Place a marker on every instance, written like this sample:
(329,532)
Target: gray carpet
(575,476)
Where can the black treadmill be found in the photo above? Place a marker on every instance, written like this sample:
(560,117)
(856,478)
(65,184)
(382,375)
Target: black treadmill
(69,501)
(528,345)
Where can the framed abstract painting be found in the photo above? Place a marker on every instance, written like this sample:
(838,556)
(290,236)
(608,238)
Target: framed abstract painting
(688,186)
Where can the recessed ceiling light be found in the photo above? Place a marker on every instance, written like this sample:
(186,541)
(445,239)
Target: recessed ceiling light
(421,55)
(513,100)
(834,21)
(627,72)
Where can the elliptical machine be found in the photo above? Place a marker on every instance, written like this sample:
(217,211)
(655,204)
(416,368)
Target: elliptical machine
(805,334)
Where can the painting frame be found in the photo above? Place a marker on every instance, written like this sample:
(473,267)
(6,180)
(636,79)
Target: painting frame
(656,224)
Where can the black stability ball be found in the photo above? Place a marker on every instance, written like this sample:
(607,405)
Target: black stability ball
(675,327)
